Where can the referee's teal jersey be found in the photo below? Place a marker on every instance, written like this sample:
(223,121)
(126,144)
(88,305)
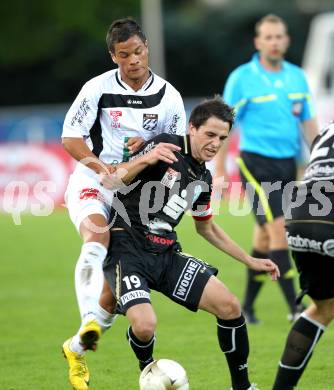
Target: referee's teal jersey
(269,107)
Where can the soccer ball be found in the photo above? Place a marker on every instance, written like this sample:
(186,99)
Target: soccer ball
(164,374)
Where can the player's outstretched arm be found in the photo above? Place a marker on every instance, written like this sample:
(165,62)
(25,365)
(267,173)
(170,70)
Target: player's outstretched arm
(214,234)
(79,150)
(125,172)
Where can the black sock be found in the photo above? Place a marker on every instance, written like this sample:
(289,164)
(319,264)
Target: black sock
(282,259)
(255,281)
(142,349)
(233,341)
(300,343)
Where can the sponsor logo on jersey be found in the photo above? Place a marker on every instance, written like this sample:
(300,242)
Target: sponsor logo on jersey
(146,150)
(160,240)
(150,121)
(81,113)
(169,178)
(131,295)
(328,247)
(186,279)
(173,127)
(115,118)
(303,244)
(159,226)
(135,102)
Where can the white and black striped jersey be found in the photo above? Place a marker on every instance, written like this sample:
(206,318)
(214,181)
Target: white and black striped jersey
(107,112)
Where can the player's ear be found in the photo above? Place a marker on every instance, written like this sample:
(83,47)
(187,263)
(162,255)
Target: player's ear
(192,128)
(113,57)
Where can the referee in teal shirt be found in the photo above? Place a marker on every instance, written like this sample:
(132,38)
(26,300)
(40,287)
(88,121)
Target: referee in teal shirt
(272,103)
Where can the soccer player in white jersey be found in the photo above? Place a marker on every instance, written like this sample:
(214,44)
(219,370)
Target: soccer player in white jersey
(111,117)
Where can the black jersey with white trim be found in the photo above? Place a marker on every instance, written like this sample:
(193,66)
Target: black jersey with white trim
(107,112)
(315,194)
(160,195)
(321,165)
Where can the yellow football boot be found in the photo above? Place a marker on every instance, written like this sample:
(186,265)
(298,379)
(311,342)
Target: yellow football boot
(78,370)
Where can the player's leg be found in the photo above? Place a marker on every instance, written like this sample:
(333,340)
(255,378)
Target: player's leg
(89,280)
(141,332)
(89,213)
(301,341)
(255,279)
(316,280)
(126,272)
(279,253)
(253,171)
(231,329)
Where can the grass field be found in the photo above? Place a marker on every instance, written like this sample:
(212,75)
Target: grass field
(39,311)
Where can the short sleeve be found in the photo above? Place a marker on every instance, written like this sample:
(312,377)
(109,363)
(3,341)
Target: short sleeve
(176,116)
(83,112)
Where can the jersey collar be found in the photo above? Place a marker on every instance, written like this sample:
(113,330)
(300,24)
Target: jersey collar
(125,86)
(256,64)
(186,151)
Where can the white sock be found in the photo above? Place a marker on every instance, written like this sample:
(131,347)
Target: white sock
(104,318)
(75,345)
(89,278)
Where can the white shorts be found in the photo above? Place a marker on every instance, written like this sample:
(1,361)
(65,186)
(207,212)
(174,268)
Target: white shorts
(85,196)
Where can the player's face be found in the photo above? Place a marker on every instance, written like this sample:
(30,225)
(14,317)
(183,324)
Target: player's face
(208,138)
(131,57)
(272,42)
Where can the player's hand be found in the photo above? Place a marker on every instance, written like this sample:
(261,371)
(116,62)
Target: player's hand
(134,143)
(111,177)
(162,152)
(265,265)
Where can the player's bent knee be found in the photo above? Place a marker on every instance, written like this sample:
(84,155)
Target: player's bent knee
(229,308)
(94,228)
(101,237)
(326,310)
(144,328)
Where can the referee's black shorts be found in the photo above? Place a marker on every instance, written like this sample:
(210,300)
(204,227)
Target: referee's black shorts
(132,272)
(259,175)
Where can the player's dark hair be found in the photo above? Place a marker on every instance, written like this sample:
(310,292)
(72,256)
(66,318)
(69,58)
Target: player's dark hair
(270,18)
(213,107)
(121,30)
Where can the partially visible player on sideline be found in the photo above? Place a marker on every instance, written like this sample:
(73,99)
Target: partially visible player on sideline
(144,253)
(272,101)
(310,234)
(111,117)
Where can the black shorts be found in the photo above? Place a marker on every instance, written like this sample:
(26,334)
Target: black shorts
(312,246)
(255,171)
(132,272)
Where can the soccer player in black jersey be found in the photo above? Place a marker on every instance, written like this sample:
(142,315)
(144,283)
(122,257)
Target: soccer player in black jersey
(310,233)
(144,253)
